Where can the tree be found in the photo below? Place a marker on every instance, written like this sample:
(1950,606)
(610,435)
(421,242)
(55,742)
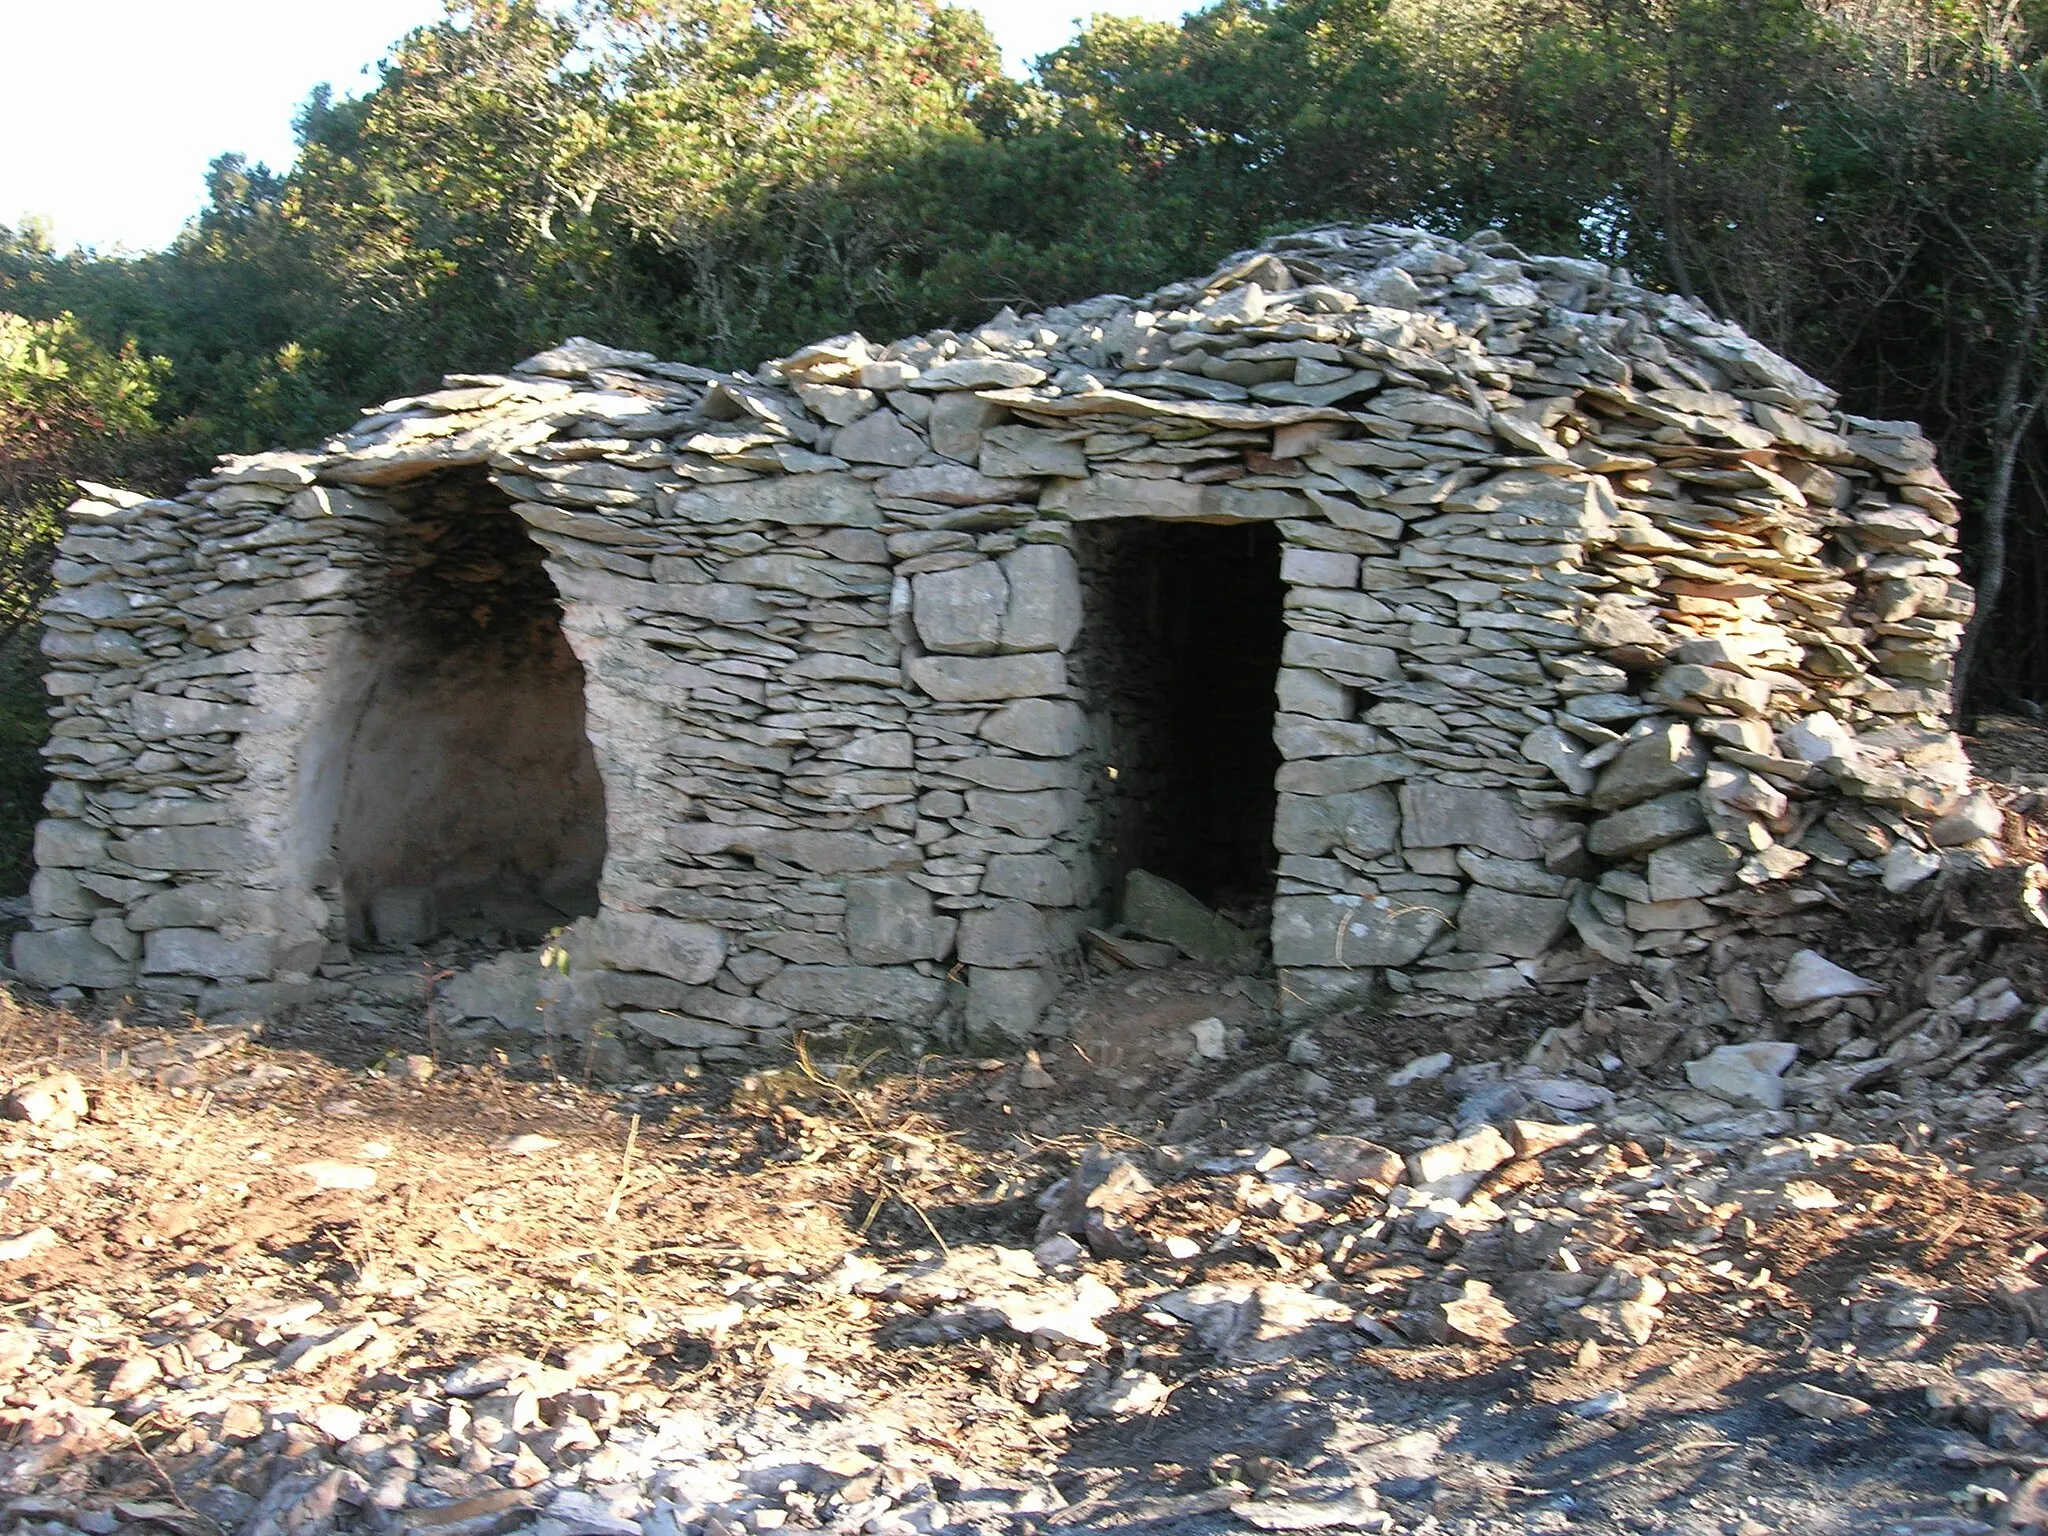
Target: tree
(1934,140)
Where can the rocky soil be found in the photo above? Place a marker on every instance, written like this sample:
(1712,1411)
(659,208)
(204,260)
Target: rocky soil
(1185,1274)
(1751,1242)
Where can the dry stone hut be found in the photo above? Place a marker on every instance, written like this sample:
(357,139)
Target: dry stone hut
(1459,612)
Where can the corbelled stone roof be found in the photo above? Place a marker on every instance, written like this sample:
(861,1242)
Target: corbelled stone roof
(1603,624)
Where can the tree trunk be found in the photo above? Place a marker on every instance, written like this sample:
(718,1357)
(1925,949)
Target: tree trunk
(2012,415)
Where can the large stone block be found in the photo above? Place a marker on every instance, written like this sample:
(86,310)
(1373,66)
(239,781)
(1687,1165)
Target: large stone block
(1156,908)
(1367,821)
(119,889)
(1519,876)
(69,957)
(740,1012)
(506,989)
(62,843)
(685,1033)
(950,485)
(802,573)
(1699,866)
(1045,598)
(660,994)
(1341,658)
(832,500)
(824,853)
(1454,816)
(1303,738)
(877,749)
(960,612)
(1005,1007)
(880,438)
(158,716)
(116,935)
(968,679)
(978,373)
(898,995)
(667,946)
(1318,568)
(637,989)
(1019,451)
(1623,634)
(1708,690)
(836,403)
(1352,932)
(1303,692)
(198,905)
(57,893)
(197,849)
(1499,922)
(404,914)
(101,601)
(1665,759)
(1028,813)
(1647,825)
(890,921)
(1307,992)
(203,952)
(958,420)
(108,646)
(1040,727)
(1342,775)
(1009,935)
(1039,878)
(1563,756)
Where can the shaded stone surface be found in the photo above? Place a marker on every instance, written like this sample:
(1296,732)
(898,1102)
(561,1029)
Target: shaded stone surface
(890,921)
(1158,909)
(1351,933)
(642,941)
(1502,923)
(1446,816)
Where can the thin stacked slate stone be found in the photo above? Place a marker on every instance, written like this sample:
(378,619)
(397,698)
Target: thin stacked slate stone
(1606,630)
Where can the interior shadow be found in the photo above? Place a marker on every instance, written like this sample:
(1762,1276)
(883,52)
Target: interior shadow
(462,788)
(1179,653)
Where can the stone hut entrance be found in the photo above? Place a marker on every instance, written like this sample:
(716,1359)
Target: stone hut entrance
(453,772)
(1178,655)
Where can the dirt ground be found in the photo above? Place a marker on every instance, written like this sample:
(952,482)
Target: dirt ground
(730,1248)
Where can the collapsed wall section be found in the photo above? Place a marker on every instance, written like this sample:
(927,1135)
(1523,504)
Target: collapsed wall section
(1604,634)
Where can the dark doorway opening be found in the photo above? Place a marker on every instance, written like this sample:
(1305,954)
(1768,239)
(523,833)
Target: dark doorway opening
(1179,656)
(466,797)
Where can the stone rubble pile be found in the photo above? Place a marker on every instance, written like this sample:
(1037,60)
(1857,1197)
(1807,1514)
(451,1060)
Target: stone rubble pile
(1606,632)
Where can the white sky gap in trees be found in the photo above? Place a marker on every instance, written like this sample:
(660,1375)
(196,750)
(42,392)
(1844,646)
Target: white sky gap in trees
(111,109)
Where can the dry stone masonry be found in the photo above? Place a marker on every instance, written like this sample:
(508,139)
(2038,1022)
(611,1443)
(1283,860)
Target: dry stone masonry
(1511,611)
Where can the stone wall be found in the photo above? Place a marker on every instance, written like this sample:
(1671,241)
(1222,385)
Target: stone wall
(1605,632)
